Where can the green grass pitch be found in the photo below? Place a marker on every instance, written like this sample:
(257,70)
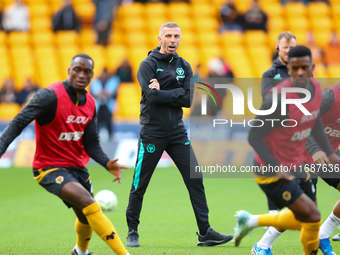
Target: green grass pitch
(32,221)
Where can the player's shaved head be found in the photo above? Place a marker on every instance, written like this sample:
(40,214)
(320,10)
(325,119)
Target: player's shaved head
(83,55)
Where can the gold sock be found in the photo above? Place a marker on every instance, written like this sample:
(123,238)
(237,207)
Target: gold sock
(104,228)
(84,233)
(310,237)
(282,220)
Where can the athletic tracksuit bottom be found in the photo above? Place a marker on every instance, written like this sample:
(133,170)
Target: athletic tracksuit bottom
(150,150)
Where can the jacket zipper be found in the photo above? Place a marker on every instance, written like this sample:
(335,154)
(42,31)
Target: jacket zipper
(170,107)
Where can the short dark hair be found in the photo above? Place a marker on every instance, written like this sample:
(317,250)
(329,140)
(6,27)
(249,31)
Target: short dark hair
(299,51)
(83,55)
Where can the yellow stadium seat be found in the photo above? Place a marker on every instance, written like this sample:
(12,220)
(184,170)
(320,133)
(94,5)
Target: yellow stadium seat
(234,53)
(318,9)
(34,2)
(153,24)
(3,38)
(134,24)
(42,38)
(203,9)
(260,66)
(334,70)
(206,24)
(301,37)
(322,38)
(8,111)
(321,23)
(242,5)
(50,79)
(98,54)
(179,9)
(255,37)
(88,36)
(259,52)
(18,38)
(85,11)
(297,24)
(45,51)
(41,23)
(188,39)
(277,23)
(320,72)
(231,38)
(20,52)
(336,10)
(128,100)
(115,55)
(40,10)
(205,39)
(136,56)
(295,9)
(132,10)
(156,9)
(337,23)
(273,9)
(209,51)
(185,23)
(68,51)
(66,37)
(190,54)
(136,38)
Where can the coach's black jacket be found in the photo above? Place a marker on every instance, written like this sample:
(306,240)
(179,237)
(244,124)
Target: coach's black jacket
(161,110)
(273,76)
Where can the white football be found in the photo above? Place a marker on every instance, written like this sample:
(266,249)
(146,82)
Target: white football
(107,200)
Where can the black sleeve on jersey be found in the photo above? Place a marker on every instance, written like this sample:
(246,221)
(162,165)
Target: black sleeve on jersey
(256,134)
(91,142)
(321,138)
(326,105)
(41,107)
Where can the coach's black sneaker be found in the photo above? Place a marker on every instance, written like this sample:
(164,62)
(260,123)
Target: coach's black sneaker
(74,252)
(212,238)
(132,239)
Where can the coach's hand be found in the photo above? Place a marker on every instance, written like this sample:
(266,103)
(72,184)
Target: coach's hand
(154,84)
(320,157)
(115,169)
(283,174)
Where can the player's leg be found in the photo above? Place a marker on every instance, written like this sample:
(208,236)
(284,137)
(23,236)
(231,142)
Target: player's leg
(332,222)
(80,198)
(303,214)
(65,184)
(182,154)
(149,153)
(84,233)
(271,206)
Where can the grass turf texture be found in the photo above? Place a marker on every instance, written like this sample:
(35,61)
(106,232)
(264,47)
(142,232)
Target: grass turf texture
(33,221)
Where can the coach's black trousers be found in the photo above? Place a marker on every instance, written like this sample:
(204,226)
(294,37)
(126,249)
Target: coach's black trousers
(150,151)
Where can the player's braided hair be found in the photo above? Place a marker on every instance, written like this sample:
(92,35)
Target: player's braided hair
(299,51)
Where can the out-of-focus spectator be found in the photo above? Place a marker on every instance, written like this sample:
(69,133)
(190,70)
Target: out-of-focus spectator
(218,69)
(104,18)
(332,52)
(104,90)
(230,18)
(124,71)
(27,92)
(7,92)
(16,17)
(255,18)
(317,53)
(65,18)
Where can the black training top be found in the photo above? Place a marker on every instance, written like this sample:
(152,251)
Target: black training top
(273,76)
(161,110)
(42,108)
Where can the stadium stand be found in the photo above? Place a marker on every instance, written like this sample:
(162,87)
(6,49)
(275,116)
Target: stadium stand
(44,55)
